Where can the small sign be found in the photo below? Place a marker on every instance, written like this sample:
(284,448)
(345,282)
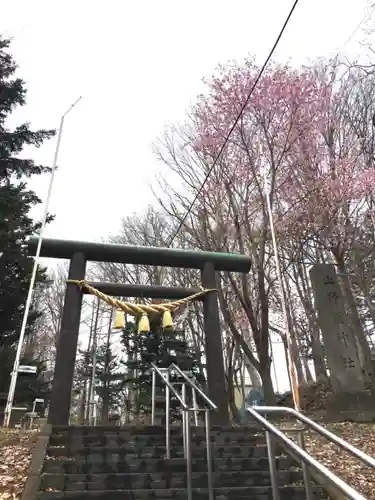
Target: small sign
(38,400)
(27,369)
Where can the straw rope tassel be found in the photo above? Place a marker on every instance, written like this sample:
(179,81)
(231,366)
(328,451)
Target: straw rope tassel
(142,310)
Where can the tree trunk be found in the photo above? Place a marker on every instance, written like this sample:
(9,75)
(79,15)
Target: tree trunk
(254,376)
(83,403)
(286,354)
(107,388)
(305,293)
(231,399)
(269,394)
(105,404)
(309,377)
(295,349)
(230,380)
(297,359)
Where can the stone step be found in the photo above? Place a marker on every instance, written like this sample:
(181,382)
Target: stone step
(112,441)
(146,429)
(240,493)
(162,480)
(97,454)
(161,465)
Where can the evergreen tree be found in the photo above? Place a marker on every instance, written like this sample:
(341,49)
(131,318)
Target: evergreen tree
(16,201)
(109,381)
(29,386)
(162,348)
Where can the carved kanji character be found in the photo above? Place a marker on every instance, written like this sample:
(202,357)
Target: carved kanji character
(328,280)
(348,362)
(344,337)
(333,296)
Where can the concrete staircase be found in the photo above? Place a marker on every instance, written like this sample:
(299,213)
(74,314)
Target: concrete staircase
(109,463)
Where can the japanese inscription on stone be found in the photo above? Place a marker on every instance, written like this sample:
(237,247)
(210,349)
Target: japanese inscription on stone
(342,356)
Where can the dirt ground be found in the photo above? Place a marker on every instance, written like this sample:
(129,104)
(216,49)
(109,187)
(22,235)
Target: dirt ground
(15,456)
(350,469)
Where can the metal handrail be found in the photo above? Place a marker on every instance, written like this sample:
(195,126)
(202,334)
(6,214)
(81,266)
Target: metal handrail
(194,386)
(306,458)
(169,385)
(186,421)
(367,459)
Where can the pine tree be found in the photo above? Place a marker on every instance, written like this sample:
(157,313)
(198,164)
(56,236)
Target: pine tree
(109,381)
(29,386)
(15,264)
(16,202)
(162,348)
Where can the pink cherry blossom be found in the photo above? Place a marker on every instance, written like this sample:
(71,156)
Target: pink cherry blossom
(292,125)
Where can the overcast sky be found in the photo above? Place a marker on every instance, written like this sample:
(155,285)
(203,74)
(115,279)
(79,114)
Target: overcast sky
(138,65)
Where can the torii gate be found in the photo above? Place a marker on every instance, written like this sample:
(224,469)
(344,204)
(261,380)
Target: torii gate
(79,253)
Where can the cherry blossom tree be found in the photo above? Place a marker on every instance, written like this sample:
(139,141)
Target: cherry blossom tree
(332,194)
(287,107)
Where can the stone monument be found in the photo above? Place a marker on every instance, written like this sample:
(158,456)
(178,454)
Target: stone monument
(351,399)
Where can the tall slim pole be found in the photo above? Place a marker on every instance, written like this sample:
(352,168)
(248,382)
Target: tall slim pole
(93,373)
(14,374)
(293,375)
(87,389)
(273,364)
(105,399)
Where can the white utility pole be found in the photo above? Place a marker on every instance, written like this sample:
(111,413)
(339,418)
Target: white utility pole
(293,374)
(14,375)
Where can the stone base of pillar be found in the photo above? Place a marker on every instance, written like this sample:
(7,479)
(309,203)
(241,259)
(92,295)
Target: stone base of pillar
(352,406)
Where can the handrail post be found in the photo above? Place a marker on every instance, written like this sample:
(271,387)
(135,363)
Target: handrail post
(209,455)
(193,385)
(167,418)
(164,373)
(153,396)
(273,466)
(305,469)
(196,421)
(344,445)
(188,457)
(184,418)
(292,446)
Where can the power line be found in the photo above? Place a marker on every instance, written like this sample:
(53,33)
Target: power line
(182,222)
